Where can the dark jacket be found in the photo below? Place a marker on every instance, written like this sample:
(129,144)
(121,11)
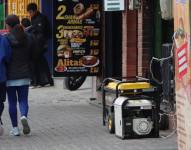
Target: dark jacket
(22,55)
(41,29)
(5,54)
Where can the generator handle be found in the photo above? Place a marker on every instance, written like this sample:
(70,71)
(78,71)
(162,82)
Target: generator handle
(117,88)
(142,79)
(107,80)
(138,78)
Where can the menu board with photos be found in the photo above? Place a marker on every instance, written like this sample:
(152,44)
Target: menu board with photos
(77,37)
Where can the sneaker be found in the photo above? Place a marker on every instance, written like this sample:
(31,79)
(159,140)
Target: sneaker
(26,128)
(32,87)
(1,129)
(39,86)
(15,131)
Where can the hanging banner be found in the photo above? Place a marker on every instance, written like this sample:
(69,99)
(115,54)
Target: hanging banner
(183,76)
(77,37)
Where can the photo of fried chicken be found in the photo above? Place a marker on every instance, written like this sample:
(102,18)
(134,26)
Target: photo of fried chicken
(78,9)
(86,14)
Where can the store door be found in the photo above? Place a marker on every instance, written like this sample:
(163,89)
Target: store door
(112,58)
(19,7)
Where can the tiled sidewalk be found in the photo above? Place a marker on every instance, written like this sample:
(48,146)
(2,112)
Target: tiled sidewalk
(63,120)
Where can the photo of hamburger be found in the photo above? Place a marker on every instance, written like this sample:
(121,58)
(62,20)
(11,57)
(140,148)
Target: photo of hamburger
(64,51)
(69,34)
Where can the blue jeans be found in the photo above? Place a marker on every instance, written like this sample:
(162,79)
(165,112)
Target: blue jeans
(17,94)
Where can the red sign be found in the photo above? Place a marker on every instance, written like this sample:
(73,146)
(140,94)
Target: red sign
(182,60)
(4,31)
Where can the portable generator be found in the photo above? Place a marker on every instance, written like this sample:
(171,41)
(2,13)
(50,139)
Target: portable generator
(131,108)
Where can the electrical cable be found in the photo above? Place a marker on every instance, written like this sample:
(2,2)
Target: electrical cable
(174,125)
(161,60)
(169,112)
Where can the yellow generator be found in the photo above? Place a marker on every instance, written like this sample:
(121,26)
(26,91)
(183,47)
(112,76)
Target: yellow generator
(19,7)
(131,107)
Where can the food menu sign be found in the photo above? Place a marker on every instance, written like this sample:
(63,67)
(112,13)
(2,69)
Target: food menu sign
(77,37)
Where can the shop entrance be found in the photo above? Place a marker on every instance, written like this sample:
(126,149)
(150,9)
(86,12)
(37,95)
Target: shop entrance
(163,30)
(112,60)
(19,7)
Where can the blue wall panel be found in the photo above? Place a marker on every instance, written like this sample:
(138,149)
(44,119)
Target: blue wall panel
(46,8)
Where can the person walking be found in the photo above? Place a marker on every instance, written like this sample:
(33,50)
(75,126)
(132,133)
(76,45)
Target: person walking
(26,24)
(5,54)
(18,73)
(42,33)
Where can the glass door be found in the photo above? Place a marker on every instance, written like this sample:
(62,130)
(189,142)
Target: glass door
(19,7)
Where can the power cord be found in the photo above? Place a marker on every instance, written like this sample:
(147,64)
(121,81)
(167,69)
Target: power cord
(161,60)
(168,107)
(174,125)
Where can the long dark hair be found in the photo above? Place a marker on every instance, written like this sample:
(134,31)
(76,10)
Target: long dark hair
(16,29)
(12,20)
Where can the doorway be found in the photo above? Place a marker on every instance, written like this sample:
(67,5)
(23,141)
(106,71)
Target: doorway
(112,60)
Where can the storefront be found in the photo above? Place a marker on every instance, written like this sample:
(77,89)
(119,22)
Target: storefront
(136,34)
(131,38)
(19,7)
(123,43)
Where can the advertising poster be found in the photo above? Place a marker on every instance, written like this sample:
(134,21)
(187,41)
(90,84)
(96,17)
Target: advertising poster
(183,76)
(77,37)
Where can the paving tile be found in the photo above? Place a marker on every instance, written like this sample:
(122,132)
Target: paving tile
(64,120)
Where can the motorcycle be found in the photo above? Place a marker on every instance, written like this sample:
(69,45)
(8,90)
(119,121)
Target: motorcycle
(73,83)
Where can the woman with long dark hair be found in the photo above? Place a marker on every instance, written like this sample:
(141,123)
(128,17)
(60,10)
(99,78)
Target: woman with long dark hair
(18,73)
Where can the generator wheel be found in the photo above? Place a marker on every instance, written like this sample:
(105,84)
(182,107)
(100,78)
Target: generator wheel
(111,123)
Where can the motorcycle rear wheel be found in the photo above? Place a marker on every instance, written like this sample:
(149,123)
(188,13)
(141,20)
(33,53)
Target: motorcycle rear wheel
(74,82)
